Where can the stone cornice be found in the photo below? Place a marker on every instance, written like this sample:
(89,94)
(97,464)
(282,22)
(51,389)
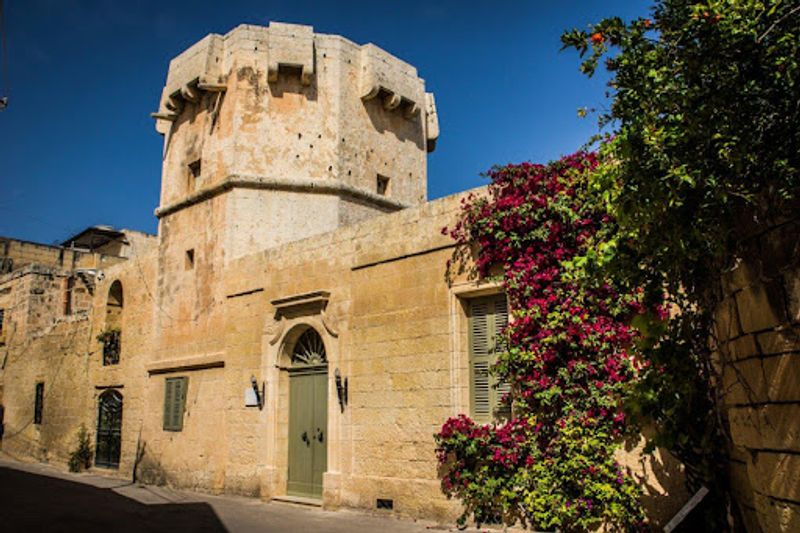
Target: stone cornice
(313,186)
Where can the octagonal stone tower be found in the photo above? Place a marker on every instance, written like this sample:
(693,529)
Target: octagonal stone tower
(273,134)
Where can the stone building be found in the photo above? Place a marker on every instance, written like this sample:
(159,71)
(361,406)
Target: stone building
(289,333)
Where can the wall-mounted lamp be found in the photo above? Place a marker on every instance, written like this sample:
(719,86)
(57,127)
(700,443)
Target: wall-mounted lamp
(253,396)
(341,389)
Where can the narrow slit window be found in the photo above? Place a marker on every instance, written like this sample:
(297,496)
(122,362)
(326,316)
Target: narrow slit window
(68,294)
(190,259)
(38,403)
(194,174)
(383,185)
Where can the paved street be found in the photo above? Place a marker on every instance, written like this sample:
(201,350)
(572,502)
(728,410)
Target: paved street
(37,497)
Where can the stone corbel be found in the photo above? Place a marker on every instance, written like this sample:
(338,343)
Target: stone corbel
(174,102)
(391,101)
(370,91)
(411,111)
(275,330)
(189,93)
(274,67)
(209,85)
(431,122)
(328,322)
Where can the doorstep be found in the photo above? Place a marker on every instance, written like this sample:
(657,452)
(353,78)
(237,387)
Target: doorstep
(298,500)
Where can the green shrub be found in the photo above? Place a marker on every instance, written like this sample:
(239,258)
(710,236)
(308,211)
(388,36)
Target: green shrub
(81,457)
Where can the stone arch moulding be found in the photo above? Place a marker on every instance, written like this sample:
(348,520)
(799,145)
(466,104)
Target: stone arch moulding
(115,303)
(293,332)
(306,305)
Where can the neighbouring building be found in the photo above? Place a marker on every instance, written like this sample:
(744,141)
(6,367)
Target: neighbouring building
(290,331)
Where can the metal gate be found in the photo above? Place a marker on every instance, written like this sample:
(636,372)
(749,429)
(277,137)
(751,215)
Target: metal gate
(109,429)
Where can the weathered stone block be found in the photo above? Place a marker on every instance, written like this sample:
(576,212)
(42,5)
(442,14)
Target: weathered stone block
(774,426)
(776,475)
(791,284)
(726,320)
(771,379)
(776,515)
(761,307)
(741,484)
(742,275)
(783,340)
(740,348)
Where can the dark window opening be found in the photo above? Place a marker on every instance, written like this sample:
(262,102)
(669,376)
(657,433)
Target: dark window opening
(112,336)
(383,185)
(384,503)
(2,317)
(38,403)
(190,259)
(194,174)
(111,343)
(109,429)
(68,294)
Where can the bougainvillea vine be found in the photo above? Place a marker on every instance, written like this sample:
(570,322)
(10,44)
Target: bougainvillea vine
(569,354)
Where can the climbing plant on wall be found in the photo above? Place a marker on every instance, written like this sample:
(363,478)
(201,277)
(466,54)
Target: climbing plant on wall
(702,147)
(705,112)
(570,355)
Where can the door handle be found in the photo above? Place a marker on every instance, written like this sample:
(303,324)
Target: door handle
(319,435)
(304,438)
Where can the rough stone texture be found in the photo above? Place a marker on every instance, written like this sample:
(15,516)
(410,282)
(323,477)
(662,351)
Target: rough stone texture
(282,204)
(759,380)
(298,112)
(760,363)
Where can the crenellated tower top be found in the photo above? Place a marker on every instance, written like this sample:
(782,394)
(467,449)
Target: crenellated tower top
(300,132)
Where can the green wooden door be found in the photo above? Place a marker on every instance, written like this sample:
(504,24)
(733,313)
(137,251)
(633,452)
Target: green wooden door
(308,431)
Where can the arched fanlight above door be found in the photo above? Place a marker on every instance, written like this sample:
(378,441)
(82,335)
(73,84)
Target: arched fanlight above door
(309,350)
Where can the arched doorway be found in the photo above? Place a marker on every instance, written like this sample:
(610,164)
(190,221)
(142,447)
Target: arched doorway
(308,415)
(112,336)
(109,429)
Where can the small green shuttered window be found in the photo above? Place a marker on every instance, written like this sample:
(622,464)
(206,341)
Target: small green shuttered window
(174,402)
(487,318)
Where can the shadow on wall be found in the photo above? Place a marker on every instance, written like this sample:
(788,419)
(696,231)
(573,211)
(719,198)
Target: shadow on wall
(394,121)
(148,469)
(289,81)
(29,502)
(661,478)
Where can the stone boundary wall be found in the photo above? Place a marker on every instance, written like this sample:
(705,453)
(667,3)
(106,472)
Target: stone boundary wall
(757,327)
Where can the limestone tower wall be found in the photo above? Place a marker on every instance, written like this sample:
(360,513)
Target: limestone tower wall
(272,135)
(301,133)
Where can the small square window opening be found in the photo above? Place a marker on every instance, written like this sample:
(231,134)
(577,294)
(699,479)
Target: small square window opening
(383,185)
(194,174)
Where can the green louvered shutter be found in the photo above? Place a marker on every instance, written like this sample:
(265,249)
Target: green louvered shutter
(500,388)
(174,402)
(487,318)
(479,360)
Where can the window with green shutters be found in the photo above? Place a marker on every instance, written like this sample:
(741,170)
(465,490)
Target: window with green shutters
(174,402)
(487,318)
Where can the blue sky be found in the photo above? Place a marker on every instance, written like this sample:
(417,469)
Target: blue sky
(77,145)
